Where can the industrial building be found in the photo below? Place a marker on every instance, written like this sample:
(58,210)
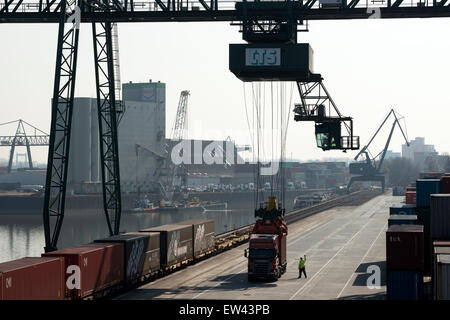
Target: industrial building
(142,124)
(425,156)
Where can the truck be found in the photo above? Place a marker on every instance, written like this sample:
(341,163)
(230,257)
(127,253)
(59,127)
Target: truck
(267,246)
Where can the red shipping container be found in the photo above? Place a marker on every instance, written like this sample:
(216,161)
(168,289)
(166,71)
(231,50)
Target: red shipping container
(101,265)
(410,197)
(445,184)
(32,279)
(405,247)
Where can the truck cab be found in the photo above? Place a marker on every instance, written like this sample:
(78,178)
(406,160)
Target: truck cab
(267,245)
(264,256)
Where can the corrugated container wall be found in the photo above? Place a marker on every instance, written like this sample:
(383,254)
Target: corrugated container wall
(404,285)
(203,235)
(152,261)
(442,291)
(440,216)
(445,183)
(411,197)
(437,251)
(32,279)
(136,253)
(404,247)
(100,266)
(423,218)
(175,243)
(425,188)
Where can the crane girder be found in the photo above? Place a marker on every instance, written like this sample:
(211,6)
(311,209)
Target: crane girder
(40,11)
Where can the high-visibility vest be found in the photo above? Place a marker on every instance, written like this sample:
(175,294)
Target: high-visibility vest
(301,263)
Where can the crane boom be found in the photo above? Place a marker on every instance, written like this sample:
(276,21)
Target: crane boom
(369,170)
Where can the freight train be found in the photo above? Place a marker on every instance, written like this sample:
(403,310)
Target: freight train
(109,265)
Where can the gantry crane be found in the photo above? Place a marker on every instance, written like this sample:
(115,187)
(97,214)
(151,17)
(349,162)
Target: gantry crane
(22,139)
(371,168)
(271,21)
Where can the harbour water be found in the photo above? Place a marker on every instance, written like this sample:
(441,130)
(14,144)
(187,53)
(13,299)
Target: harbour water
(23,235)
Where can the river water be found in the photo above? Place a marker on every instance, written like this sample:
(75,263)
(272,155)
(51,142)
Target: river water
(23,235)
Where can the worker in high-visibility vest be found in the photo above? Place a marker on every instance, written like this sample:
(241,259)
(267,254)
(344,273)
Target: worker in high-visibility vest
(301,266)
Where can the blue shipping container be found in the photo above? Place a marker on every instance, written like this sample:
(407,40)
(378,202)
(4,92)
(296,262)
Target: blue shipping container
(402,208)
(424,188)
(402,219)
(404,285)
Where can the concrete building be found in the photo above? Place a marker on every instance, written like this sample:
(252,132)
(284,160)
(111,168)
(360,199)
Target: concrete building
(416,145)
(142,124)
(391,155)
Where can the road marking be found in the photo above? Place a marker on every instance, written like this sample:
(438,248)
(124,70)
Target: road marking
(348,281)
(314,228)
(320,270)
(195,297)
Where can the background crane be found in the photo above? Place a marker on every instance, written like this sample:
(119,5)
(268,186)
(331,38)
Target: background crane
(39,138)
(178,134)
(370,169)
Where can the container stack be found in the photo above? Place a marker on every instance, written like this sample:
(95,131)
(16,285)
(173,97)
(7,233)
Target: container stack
(440,235)
(405,262)
(425,188)
(442,279)
(397,219)
(401,208)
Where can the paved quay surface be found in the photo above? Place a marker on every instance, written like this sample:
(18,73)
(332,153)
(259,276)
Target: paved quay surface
(340,244)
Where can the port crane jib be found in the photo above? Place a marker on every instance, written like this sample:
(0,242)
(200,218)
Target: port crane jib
(370,169)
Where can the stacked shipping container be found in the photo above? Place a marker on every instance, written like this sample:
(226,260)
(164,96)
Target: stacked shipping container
(411,197)
(425,188)
(442,278)
(405,262)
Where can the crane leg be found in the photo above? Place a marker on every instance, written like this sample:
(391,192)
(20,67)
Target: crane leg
(107,122)
(60,127)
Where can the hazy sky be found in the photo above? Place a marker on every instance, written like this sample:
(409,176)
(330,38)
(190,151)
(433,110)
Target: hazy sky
(369,66)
